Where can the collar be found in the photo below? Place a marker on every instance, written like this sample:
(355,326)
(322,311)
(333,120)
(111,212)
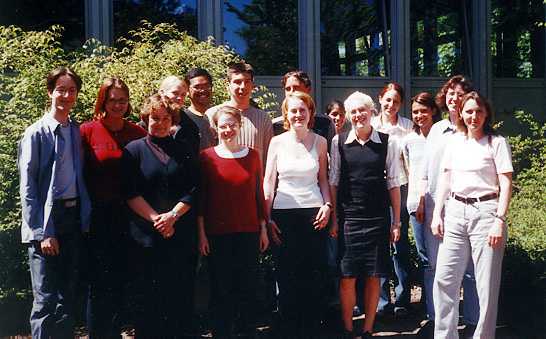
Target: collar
(449,127)
(52,123)
(351,137)
(377,122)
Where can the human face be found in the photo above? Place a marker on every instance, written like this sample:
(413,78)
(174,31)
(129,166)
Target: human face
(200,90)
(159,123)
(390,103)
(293,84)
(297,113)
(64,95)
(473,116)
(453,97)
(337,114)
(421,115)
(240,87)
(117,103)
(359,114)
(228,128)
(176,93)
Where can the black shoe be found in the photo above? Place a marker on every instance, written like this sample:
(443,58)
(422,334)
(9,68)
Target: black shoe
(401,312)
(347,334)
(469,330)
(386,312)
(357,312)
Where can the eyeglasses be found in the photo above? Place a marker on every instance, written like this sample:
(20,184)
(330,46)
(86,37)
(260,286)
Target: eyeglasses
(64,91)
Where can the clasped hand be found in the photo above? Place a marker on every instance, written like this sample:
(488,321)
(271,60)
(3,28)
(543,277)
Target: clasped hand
(164,224)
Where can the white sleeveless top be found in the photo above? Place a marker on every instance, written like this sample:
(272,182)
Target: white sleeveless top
(298,179)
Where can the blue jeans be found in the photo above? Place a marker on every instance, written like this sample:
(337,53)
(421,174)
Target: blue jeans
(424,265)
(55,278)
(401,262)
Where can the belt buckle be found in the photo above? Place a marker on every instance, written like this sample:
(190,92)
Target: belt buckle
(70,203)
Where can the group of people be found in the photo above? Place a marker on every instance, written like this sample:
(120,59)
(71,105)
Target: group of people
(144,201)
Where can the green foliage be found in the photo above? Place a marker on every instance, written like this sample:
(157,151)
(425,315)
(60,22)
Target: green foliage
(524,276)
(142,59)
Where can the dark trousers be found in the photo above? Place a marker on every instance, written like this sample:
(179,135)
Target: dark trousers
(107,270)
(160,288)
(400,260)
(55,278)
(233,263)
(302,267)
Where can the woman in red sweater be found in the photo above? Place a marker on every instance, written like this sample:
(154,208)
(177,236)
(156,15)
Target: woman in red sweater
(103,140)
(231,222)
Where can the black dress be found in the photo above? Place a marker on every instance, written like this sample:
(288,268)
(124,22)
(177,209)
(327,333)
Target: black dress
(363,209)
(161,269)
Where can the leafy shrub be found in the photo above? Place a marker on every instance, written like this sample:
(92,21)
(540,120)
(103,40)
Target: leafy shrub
(144,57)
(523,291)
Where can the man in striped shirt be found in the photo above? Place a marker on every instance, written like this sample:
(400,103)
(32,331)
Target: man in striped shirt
(256,130)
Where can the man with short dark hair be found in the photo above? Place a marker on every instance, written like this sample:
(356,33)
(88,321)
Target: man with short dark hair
(256,129)
(199,83)
(299,81)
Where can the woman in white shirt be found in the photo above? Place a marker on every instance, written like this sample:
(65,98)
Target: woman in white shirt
(299,210)
(424,113)
(477,177)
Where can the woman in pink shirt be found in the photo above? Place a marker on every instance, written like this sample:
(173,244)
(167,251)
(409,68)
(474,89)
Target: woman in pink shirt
(477,177)
(231,222)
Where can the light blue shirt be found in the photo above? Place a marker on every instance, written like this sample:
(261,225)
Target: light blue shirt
(39,170)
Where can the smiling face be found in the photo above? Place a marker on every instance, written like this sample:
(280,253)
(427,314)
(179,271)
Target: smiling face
(297,113)
(117,103)
(200,90)
(159,122)
(175,91)
(240,87)
(473,116)
(359,113)
(421,115)
(453,97)
(228,127)
(64,95)
(337,114)
(390,103)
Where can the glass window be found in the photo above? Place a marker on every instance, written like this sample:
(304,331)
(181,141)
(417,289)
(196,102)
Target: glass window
(129,13)
(264,33)
(440,35)
(355,37)
(40,15)
(517,38)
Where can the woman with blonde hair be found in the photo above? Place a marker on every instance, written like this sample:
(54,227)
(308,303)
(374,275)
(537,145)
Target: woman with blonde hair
(299,210)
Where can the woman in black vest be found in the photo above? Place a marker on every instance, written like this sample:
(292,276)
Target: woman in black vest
(364,175)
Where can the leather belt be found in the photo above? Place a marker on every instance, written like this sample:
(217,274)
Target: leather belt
(68,203)
(467,200)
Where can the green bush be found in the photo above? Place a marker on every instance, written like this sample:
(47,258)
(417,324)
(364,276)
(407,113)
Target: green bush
(523,291)
(144,57)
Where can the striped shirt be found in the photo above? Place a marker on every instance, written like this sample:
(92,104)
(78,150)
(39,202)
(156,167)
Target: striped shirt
(256,130)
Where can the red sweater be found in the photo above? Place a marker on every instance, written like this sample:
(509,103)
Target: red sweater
(102,151)
(232,198)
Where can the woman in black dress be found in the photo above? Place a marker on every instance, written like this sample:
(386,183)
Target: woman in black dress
(159,181)
(361,159)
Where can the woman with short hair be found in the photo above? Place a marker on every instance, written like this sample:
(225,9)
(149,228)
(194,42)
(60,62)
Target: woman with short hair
(160,182)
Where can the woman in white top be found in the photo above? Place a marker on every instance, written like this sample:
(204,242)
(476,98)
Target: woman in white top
(424,113)
(477,176)
(299,208)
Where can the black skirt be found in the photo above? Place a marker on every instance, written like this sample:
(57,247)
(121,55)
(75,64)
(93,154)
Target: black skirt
(364,247)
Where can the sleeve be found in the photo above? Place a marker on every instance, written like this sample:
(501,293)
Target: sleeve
(446,163)
(201,208)
(191,182)
(260,197)
(132,179)
(405,155)
(335,162)
(267,135)
(393,164)
(28,162)
(502,155)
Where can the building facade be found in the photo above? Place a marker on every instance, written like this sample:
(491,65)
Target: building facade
(344,45)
